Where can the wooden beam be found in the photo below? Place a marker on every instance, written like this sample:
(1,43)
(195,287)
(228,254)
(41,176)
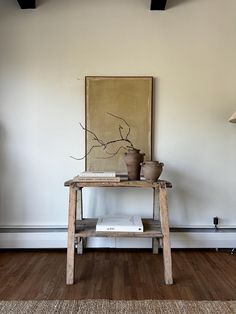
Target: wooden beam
(27,4)
(158,4)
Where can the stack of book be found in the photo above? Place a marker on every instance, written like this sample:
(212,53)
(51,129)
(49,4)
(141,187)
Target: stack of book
(97,176)
(120,223)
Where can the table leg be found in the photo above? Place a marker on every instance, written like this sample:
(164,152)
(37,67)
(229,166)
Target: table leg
(80,246)
(71,236)
(79,216)
(166,235)
(156,214)
(155,245)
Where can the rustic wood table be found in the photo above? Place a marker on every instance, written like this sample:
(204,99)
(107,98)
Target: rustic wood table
(156,228)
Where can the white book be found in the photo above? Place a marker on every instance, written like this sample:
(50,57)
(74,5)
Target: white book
(100,174)
(120,224)
(96,179)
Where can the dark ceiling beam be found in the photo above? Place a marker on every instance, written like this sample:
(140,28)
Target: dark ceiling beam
(158,4)
(27,4)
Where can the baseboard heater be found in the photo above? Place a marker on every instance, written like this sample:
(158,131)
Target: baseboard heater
(56,237)
(64,229)
(185,229)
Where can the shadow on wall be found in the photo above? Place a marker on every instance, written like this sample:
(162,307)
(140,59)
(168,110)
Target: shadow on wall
(94,201)
(187,193)
(174,3)
(11,196)
(39,3)
(3,198)
(99,202)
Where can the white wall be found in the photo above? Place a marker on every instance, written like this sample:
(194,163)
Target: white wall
(45,54)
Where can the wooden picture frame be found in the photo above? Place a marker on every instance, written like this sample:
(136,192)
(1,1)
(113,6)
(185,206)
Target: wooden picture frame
(116,104)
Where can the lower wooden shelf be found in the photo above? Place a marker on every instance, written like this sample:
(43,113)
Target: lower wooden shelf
(87,228)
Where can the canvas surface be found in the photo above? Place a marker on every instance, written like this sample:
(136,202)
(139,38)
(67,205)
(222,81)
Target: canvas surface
(129,98)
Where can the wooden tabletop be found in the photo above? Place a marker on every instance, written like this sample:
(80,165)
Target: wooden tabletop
(122,183)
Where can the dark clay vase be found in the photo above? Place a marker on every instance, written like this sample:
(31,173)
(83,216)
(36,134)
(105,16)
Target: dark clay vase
(152,170)
(133,160)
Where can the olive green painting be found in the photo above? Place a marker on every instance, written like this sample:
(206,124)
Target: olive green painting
(118,116)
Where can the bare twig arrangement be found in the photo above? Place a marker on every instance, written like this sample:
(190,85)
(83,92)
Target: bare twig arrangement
(123,140)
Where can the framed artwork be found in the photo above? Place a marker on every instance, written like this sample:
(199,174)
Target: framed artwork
(118,116)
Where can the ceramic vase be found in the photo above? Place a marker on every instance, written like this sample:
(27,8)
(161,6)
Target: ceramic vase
(133,159)
(152,170)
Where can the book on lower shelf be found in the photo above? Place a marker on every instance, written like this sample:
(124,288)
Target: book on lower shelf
(120,223)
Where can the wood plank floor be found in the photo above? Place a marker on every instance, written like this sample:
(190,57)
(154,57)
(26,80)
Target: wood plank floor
(113,274)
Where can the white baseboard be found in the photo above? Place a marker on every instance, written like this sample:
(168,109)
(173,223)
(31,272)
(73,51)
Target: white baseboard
(56,239)
(203,240)
(30,240)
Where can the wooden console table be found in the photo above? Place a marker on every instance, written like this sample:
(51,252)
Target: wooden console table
(156,228)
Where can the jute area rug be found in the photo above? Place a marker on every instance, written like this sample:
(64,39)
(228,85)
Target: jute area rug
(120,307)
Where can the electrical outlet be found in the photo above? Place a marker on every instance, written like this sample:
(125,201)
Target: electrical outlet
(215,221)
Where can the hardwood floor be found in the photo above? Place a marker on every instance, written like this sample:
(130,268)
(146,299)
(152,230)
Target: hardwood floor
(113,274)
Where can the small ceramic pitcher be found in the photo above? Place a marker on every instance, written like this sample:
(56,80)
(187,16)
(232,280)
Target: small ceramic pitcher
(152,170)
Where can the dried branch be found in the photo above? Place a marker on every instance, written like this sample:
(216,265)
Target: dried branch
(119,140)
(95,146)
(113,154)
(95,136)
(121,128)
(113,115)
(104,145)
